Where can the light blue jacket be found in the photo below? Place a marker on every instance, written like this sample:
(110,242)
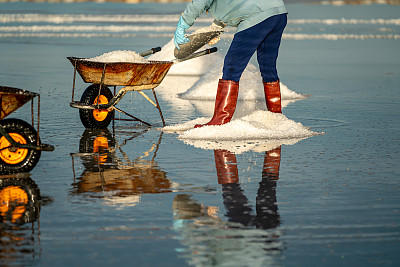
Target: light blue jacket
(242,14)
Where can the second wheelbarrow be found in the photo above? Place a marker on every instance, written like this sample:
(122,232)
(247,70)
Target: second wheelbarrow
(20,145)
(98,104)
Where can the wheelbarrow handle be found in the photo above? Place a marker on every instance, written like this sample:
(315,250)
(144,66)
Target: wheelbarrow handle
(151,51)
(197,54)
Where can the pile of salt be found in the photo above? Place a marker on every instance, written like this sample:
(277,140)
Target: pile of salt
(210,28)
(119,56)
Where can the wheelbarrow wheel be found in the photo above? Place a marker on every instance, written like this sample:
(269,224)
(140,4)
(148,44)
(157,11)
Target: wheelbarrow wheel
(97,118)
(18,160)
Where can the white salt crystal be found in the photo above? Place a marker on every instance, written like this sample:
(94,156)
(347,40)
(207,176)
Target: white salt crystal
(119,56)
(260,124)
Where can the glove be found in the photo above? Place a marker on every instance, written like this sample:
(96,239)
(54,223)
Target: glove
(179,36)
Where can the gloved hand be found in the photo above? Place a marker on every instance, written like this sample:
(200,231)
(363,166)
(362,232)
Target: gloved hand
(179,36)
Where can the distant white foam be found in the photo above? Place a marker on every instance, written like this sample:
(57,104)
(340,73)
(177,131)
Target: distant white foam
(344,21)
(165,18)
(301,36)
(71,18)
(87,28)
(159,25)
(81,35)
(289,36)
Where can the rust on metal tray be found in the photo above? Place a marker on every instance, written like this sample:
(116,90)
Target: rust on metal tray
(121,73)
(13,98)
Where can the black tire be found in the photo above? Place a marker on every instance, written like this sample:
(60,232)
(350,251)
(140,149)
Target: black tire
(88,97)
(24,163)
(31,209)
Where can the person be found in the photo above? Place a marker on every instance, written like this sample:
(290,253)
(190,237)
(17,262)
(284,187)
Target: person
(260,24)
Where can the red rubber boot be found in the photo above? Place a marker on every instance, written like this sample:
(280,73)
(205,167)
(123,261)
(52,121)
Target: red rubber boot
(272,92)
(225,103)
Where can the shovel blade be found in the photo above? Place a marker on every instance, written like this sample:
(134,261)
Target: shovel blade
(196,42)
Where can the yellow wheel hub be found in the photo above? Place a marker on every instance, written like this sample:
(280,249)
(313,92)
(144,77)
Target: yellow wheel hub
(13,197)
(100,114)
(12,155)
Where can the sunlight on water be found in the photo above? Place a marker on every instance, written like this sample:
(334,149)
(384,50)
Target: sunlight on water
(264,190)
(161,25)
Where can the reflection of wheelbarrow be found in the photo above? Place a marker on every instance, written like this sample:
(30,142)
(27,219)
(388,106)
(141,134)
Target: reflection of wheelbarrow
(19,200)
(97,104)
(106,175)
(20,146)
(20,204)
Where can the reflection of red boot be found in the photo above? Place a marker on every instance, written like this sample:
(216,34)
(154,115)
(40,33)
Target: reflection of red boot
(226,165)
(225,103)
(272,160)
(272,92)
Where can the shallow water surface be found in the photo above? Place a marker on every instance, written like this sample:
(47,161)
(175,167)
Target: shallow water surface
(133,195)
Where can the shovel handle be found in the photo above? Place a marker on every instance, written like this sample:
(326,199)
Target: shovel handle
(197,54)
(151,51)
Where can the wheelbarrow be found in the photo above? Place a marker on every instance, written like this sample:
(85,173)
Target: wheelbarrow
(20,145)
(98,104)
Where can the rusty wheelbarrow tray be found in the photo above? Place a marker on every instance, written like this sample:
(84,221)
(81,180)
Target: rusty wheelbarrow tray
(13,98)
(20,144)
(132,76)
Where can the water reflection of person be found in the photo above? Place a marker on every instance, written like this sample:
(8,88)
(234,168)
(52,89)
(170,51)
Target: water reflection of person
(236,203)
(20,202)
(208,240)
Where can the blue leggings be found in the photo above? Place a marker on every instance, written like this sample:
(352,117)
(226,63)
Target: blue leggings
(265,37)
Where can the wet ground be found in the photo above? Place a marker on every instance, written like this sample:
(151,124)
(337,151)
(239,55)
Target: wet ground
(133,195)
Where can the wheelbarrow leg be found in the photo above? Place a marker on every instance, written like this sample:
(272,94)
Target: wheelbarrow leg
(38,119)
(73,83)
(133,117)
(101,84)
(158,106)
